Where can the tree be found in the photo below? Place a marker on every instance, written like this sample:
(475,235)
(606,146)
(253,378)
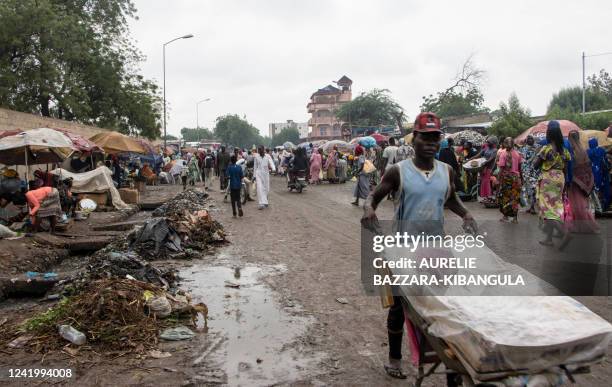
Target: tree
(570,99)
(462,97)
(601,84)
(233,130)
(596,121)
(597,95)
(512,119)
(73,60)
(196,134)
(373,108)
(287,134)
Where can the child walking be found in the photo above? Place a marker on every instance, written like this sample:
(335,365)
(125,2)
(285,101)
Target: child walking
(235,175)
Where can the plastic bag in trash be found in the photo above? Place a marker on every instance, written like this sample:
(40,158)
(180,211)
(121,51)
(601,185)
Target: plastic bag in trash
(177,333)
(160,306)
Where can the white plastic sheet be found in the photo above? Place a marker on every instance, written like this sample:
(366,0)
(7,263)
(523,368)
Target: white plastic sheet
(98,180)
(529,333)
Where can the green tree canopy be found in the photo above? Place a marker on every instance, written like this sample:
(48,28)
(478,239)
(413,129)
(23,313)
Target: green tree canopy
(462,98)
(72,59)
(596,121)
(513,119)
(597,95)
(196,134)
(287,134)
(372,109)
(233,130)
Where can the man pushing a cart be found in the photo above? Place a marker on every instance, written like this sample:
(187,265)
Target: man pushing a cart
(423,186)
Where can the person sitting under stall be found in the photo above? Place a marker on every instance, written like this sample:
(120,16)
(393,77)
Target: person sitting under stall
(44,203)
(67,200)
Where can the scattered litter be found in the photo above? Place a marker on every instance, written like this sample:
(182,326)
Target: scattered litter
(53,297)
(20,341)
(71,351)
(160,306)
(3,321)
(342,300)
(120,265)
(259,361)
(230,284)
(72,335)
(177,333)
(156,354)
(191,200)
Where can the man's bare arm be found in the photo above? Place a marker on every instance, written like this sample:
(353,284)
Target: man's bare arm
(389,183)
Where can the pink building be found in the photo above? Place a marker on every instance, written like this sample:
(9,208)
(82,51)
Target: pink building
(323,105)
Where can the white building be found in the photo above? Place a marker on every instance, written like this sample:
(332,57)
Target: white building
(275,127)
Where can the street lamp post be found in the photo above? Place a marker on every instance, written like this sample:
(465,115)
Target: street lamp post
(164,76)
(198,113)
(584,77)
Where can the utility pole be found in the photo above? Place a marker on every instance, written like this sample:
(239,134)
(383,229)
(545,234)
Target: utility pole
(584,76)
(164,75)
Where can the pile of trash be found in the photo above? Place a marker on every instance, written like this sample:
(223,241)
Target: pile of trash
(114,314)
(190,200)
(475,138)
(197,230)
(181,224)
(112,264)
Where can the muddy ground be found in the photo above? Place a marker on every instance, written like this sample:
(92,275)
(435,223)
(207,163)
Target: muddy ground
(283,325)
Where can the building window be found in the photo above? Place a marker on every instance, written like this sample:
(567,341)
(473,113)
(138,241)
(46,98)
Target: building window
(323,131)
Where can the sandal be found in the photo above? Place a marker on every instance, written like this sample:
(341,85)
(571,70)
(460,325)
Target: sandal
(546,243)
(395,372)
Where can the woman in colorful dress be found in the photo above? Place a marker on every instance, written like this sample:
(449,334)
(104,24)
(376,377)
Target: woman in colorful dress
(489,151)
(509,193)
(552,160)
(580,188)
(315,165)
(330,165)
(529,174)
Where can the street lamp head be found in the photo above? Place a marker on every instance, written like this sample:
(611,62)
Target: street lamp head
(187,36)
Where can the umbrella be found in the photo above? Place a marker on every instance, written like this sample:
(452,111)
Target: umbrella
(343,146)
(379,138)
(539,130)
(115,142)
(81,143)
(355,140)
(304,144)
(602,138)
(36,146)
(147,146)
(288,145)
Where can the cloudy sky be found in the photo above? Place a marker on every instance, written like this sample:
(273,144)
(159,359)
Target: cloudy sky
(264,58)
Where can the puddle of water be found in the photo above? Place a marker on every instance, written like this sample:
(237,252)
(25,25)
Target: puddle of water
(257,342)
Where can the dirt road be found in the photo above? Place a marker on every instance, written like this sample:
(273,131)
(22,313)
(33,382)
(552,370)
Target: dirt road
(316,236)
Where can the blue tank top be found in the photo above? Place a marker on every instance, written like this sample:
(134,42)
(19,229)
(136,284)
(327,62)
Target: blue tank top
(420,206)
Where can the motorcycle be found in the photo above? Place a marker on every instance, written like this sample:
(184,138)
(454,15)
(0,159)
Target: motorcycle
(296,180)
(243,193)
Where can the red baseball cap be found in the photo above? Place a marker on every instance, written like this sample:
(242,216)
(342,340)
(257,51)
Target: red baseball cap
(427,122)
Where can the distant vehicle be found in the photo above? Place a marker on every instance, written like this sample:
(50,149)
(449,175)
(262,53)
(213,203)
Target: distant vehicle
(212,145)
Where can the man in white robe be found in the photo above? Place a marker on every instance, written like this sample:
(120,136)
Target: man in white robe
(263,164)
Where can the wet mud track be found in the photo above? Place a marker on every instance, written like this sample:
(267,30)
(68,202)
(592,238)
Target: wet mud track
(316,236)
